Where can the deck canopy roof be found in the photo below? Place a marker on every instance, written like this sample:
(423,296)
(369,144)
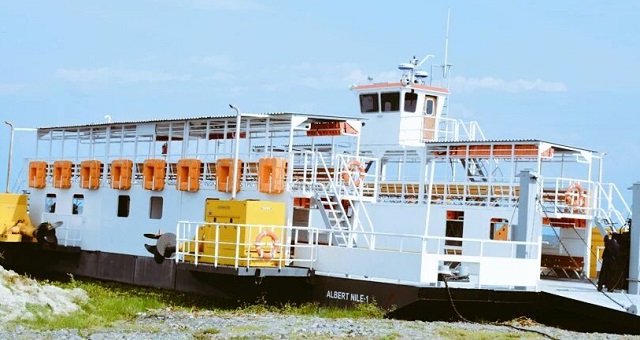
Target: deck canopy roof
(443,145)
(198,127)
(277,115)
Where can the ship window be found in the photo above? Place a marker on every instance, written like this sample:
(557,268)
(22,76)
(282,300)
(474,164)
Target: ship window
(454,228)
(410,102)
(50,203)
(155,208)
(390,101)
(369,103)
(123,205)
(429,106)
(499,229)
(77,205)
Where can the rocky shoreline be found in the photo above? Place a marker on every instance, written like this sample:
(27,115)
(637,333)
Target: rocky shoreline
(176,324)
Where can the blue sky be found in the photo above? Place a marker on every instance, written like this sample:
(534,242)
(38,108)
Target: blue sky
(564,71)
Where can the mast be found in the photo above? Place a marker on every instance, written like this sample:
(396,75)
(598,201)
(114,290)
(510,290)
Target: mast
(445,67)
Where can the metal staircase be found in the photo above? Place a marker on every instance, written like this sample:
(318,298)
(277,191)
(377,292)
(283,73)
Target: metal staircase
(476,170)
(334,216)
(607,214)
(341,205)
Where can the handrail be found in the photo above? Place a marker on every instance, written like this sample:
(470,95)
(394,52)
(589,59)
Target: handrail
(359,190)
(186,234)
(449,129)
(334,189)
(609,196)
(418,248)
(188,243)
(70,232)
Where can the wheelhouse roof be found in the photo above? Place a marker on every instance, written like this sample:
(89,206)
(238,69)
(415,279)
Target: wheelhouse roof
(399,85)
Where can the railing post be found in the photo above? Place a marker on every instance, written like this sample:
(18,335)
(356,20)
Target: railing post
(237,253)
(197,256)
(216,246)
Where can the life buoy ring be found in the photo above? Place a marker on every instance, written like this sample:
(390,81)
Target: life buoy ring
(274,247)
(354,167)
(574,196)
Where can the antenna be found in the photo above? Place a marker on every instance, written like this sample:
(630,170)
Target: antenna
(446,47)
(446,65)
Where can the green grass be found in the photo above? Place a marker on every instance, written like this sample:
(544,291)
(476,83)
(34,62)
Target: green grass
(205,333)
(363,310)
(114,305)
(110,302)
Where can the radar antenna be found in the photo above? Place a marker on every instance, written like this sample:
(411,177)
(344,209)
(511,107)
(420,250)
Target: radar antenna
(412,72)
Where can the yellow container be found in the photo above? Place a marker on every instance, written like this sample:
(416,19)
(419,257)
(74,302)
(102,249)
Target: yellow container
(247,233)
(13,211)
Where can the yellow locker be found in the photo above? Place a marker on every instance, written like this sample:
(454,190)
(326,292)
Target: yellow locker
(245,231)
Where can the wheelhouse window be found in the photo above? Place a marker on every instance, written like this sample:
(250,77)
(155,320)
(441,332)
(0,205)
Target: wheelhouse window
(429,106)
(50,203)
(390,101)
(155,208)
(410,102)
(77,205)
(369,103)
(123,205)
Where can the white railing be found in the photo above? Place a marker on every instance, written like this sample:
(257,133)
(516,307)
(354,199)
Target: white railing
(416,129)
(495,261)
(361,186)
(355,191)
(306,172)
(245,246)
(437,245)
(69,234)
(558,195)
(610,198)
(416,259)
(449,129)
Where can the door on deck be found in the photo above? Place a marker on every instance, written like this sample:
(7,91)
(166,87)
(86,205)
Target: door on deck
(429,118)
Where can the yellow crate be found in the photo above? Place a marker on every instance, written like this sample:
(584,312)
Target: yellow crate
(13,208)
(236,238)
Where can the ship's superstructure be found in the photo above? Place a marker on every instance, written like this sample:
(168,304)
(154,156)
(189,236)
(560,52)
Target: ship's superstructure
(400,196)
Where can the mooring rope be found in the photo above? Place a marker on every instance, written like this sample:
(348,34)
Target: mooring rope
(503,324)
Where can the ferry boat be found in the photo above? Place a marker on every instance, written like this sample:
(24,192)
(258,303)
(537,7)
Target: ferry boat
(398,205)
